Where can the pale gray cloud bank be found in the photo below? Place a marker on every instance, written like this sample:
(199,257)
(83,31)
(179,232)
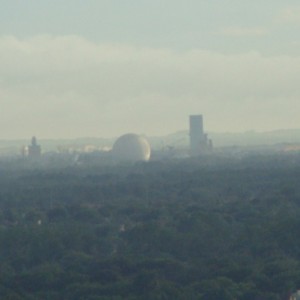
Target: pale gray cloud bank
(290,14)
(244,31)
(67,86)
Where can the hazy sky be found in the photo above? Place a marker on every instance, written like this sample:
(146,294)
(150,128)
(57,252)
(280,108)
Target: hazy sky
(103,68)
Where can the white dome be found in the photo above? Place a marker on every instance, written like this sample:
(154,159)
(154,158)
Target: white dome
(131,147)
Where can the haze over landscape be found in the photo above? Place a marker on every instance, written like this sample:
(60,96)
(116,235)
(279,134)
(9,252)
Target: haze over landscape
(102,68)
(149,150)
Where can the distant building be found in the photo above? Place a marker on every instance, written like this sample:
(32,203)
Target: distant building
(34,150)
(199,142)
(131,147)
(295,296)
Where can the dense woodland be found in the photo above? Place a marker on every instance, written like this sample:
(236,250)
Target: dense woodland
(205,228)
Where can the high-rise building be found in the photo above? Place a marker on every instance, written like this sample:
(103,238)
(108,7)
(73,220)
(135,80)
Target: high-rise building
(199,142)
(34,150)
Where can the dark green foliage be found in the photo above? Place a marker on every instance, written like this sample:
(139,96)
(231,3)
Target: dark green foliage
(185,229)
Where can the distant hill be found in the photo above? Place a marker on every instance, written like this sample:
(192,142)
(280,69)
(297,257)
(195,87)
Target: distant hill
(252,138)
(224,139)
(179,139)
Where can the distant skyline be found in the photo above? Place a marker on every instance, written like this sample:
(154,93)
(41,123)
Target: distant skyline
(103,68)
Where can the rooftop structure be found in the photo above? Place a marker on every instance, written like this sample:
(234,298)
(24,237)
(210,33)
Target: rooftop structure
(295,296)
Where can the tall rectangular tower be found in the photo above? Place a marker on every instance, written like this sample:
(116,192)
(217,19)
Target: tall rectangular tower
(198,139)
(196,124)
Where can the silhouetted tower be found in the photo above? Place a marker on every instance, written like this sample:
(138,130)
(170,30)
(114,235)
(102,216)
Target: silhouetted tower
(199,142)
(34,150)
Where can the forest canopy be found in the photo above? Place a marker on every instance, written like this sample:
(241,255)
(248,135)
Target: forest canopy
(203,228)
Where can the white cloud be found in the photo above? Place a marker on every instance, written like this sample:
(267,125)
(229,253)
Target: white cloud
(67,87)
(244,31)
(290,14)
